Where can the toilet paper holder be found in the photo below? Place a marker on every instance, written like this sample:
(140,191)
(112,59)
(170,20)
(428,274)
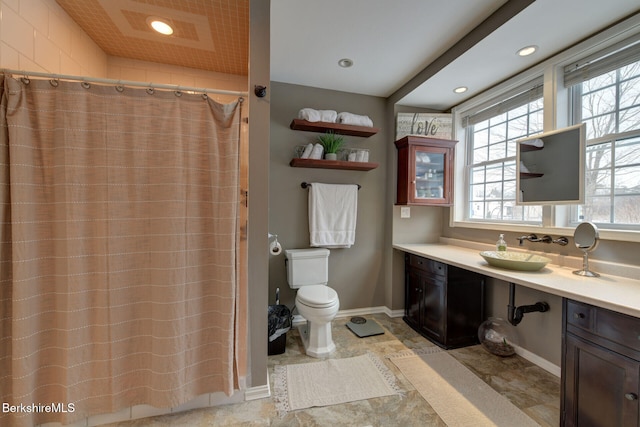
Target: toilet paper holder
(274,247)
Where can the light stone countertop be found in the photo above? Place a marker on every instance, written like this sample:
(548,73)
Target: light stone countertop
(617,293)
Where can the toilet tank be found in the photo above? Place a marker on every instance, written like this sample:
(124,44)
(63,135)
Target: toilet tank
(307,267)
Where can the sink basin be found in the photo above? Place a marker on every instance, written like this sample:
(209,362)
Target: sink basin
(515,260)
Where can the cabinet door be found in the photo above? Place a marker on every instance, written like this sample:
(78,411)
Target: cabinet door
(433,306)
(601,386)
(429,179)
(413,296)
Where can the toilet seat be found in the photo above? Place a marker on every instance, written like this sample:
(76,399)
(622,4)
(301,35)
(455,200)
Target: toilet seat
(317,296)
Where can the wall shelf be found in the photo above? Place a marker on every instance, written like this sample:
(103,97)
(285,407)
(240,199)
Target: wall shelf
(528,175)
(339,128)
(332,164)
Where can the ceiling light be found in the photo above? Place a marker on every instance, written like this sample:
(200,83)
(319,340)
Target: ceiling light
(461,89)
(528,50)
(159,25)
(345,62)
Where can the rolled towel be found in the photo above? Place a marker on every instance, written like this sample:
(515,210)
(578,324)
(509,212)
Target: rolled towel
(307,151)
(354,119)
(317,152)
(311,115)
(523,168)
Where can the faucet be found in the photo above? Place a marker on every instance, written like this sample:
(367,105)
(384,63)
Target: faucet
(562,241)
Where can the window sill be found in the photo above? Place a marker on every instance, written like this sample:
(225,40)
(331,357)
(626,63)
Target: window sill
(605,234)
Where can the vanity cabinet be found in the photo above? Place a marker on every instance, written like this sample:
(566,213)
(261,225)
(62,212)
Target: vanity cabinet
(425,171)
(443,303)
(600,367)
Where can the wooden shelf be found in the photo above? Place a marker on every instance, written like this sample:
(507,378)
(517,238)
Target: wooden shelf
(527,175)
(339,128)
(332,164)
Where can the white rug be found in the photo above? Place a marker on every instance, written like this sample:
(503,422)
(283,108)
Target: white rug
(458,396)
(331,382)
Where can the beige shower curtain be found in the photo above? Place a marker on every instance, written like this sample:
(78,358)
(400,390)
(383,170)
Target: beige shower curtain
(118,258)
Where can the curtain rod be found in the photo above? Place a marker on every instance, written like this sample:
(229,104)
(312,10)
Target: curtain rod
(122,82)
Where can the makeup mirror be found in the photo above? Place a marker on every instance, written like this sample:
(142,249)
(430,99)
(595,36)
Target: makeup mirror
(586,239)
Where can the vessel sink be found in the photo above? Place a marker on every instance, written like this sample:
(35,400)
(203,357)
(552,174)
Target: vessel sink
(515,260)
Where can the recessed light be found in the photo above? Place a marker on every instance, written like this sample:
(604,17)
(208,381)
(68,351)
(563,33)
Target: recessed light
(160,25)
(528,50)
(345,62)
(461,89)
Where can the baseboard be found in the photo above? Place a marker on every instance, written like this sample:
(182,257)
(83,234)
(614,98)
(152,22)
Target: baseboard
(539,361)
(259,392)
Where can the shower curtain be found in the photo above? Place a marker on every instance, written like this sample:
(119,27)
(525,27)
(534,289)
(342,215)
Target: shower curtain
(118,275)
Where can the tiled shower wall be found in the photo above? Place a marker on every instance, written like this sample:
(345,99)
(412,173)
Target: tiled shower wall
(38,35)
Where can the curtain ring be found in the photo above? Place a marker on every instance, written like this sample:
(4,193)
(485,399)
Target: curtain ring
(205,96)
(120,88)
(54,82)
(178,93)
(150,91)
(86,85)
(25,80)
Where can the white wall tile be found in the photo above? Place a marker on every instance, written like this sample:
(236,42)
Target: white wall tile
(46,53)
(9,57)
(60,31)
(16,32)
(36,13)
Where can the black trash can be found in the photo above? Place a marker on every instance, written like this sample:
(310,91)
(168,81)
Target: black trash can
(279,325)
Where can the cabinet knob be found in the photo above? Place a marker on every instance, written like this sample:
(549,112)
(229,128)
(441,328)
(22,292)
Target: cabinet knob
(578,315)
(631,396)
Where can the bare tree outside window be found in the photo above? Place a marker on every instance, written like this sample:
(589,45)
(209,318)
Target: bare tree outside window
(610,106)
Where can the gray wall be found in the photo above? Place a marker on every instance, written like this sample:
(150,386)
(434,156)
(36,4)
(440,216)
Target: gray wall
(357,273)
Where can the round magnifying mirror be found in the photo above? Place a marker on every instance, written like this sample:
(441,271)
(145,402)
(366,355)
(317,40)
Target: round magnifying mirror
(586,239)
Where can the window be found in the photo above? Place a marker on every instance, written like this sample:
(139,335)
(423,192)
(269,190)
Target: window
(606,96)
(491,137)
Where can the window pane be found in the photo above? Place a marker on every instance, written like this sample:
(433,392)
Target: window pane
(598,210)
(630,119)
(480,155)
(627,209)
(627,180)
(628,152)
(599,102)
(498,133)
(630,92)
(498,151)
(480,138)
(477,175)
(601,126)
(477,192)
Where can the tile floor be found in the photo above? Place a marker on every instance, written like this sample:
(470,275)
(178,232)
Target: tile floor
(527,386)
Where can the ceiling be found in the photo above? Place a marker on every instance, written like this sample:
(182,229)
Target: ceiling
(439,44)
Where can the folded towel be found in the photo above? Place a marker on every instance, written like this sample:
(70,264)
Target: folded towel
(523,168)
(534,142)
(333,212)
(311,115)
(354,119)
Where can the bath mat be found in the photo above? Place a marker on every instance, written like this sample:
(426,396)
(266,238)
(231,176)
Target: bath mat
(331,382)
(458,396)
(364,328)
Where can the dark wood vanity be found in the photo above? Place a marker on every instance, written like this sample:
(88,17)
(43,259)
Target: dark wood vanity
(443,303)
(600,367)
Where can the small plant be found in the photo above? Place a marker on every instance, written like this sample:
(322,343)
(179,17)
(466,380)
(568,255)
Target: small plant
(331,142)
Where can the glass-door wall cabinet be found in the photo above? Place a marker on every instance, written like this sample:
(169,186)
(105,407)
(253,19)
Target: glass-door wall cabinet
(425,171)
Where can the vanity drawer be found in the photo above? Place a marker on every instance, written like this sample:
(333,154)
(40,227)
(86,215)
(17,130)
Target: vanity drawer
(618,327)
(427,265)
(614,327)
(580,315)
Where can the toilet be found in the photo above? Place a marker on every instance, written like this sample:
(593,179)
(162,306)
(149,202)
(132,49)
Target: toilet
(308,272)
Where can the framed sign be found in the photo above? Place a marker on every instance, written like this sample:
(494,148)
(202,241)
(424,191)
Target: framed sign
(436,125)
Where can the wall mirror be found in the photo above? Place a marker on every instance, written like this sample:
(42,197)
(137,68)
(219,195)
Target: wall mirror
(550,167)
(586,239)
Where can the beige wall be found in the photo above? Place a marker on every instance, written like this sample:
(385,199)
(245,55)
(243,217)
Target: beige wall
(357,273)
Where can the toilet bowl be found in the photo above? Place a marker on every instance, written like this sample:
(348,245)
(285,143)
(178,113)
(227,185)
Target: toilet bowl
(318,304)
(307,272)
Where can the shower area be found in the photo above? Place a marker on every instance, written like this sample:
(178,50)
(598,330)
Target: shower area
(123,246)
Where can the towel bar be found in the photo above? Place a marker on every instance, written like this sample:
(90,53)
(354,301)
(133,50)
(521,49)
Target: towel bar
(307,185)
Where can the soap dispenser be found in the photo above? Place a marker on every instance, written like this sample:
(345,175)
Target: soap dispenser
(501,245)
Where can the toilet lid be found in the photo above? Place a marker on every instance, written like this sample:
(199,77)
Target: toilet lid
(316,295)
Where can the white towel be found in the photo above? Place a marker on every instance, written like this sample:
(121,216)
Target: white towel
(534,142)
(333,213)
(354,119)
(311,115)
(316,152)
(307,151)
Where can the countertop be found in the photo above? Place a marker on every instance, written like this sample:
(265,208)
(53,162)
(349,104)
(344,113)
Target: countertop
(616,293)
